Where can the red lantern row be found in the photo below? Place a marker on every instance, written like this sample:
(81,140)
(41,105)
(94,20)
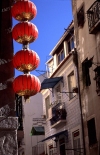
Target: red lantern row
(25,60)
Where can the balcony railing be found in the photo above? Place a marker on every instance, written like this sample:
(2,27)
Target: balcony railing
(58,115)
(93,15)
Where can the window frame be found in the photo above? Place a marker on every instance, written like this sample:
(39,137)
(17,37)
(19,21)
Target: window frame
(59,56)
(70,46)
(72,131)
(76,138)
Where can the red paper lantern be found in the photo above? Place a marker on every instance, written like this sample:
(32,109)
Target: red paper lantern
(25,32)
(26,85)
(19,0)
(24,10)
(26,60)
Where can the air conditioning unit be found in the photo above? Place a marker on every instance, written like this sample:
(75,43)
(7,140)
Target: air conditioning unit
(50,113)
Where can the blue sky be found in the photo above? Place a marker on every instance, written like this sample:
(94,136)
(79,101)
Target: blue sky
(52,17)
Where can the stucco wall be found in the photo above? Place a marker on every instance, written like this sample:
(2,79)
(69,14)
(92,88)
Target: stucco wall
(88,45)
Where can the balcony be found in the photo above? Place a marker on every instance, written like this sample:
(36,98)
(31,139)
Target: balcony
(93,15)
(58,115)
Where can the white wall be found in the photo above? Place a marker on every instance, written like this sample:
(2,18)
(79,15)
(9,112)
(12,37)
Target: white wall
(32,109)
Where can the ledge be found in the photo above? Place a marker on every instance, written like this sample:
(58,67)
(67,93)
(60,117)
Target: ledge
(60,122)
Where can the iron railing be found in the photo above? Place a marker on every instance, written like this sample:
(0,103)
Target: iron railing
(93,15)
(58,113)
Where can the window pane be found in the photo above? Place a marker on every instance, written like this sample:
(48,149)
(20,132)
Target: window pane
(72,43)
(59,59)
(69,48)
(62,55)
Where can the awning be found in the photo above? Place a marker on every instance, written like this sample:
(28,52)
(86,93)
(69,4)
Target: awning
(50,83)
(37,131)
(56,135)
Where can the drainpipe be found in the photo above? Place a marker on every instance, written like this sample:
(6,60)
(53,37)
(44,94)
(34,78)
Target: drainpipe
(75,59)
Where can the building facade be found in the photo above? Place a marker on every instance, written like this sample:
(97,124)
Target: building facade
(87,41)
(33,123)
(61,105)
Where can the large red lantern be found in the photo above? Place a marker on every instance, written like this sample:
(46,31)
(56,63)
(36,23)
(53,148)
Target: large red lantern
(24,10)
(25,32)
(26,85)
(26,60)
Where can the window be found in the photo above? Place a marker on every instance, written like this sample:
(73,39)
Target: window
(62,146)
(76,142)
(71,84)
(91,131)
(58,88)
(58,94)
(50,149)
(86,64)
(80,17)
(47,105)
(70,44)
(61,56)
